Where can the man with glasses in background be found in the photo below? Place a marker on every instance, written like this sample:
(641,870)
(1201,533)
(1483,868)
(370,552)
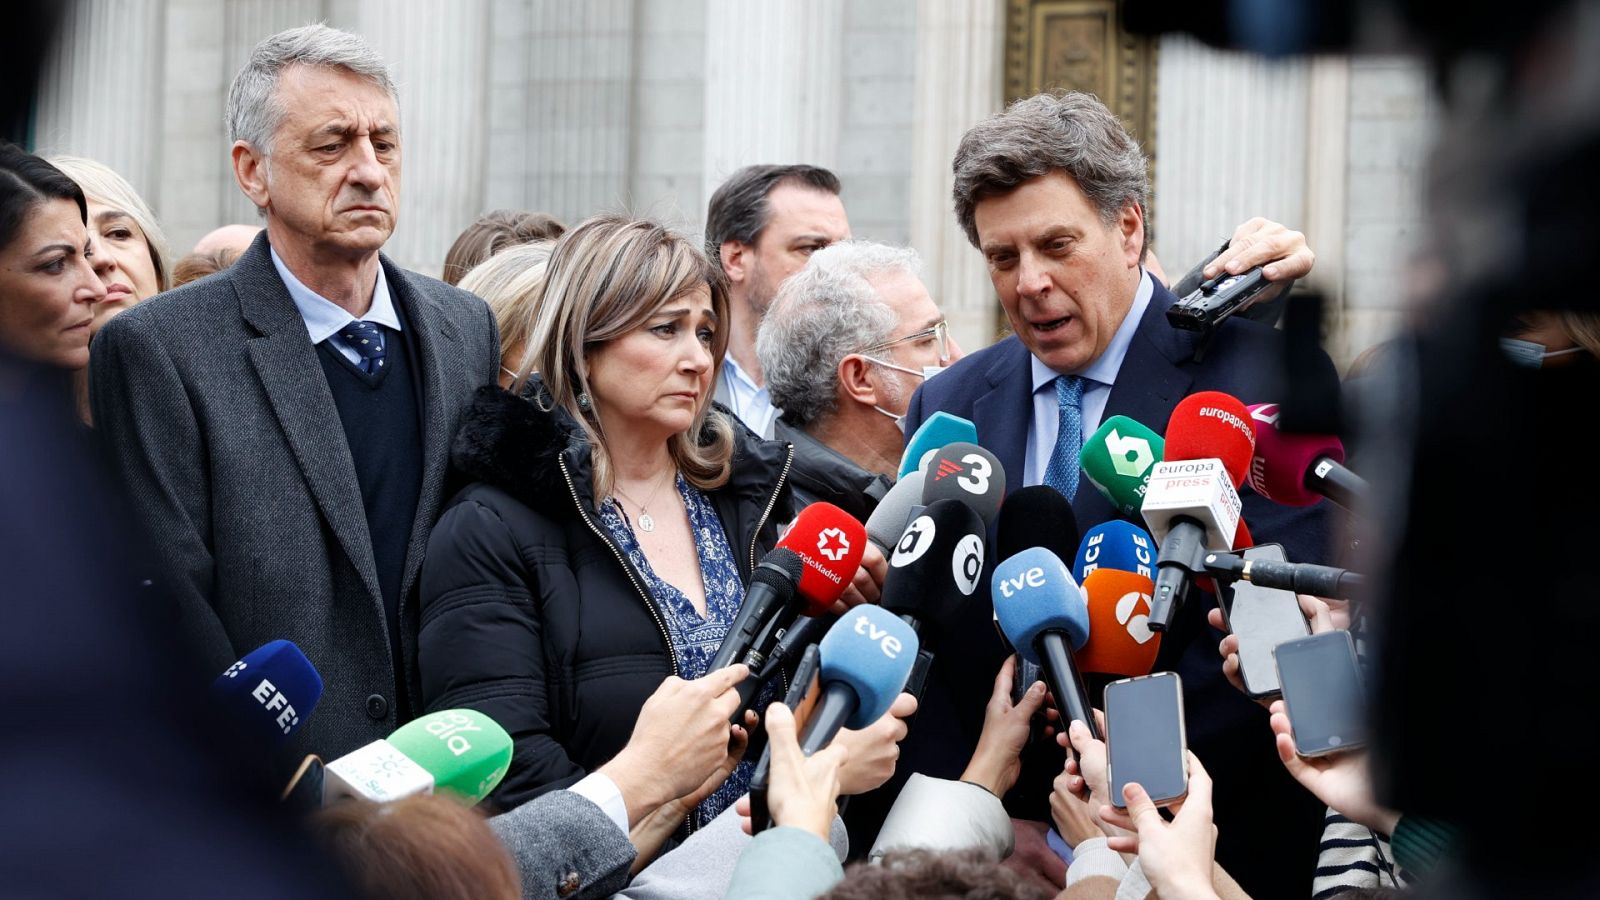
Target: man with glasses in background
(844,345)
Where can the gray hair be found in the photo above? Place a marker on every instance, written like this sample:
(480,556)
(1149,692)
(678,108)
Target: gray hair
(1073,132)
(739,210)
(254,113)
(823,313)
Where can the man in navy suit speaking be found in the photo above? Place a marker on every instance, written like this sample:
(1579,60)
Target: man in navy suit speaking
(1053,193)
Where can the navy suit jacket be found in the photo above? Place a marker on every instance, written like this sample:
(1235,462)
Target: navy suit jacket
(994,389)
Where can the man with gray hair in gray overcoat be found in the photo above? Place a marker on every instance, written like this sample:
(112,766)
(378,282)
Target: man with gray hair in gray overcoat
(283,427)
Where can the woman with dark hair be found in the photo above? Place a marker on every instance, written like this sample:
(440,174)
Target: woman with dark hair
(48,286)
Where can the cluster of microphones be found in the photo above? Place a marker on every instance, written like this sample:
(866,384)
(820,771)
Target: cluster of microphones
(1102,617)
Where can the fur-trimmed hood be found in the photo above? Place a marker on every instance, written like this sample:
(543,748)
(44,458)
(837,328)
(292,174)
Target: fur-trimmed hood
(508,441)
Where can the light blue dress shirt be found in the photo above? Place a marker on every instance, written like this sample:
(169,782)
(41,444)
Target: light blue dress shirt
(324,318)
(752,404)
(1098,376)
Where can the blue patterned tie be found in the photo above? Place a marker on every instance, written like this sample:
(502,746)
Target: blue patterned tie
(1062,474)
(366,339)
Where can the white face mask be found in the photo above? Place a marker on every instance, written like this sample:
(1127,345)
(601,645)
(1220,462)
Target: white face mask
(1529,354)
(926,373)
(899,421)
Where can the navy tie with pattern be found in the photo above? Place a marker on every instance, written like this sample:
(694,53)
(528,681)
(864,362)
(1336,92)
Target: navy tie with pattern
(1062,473)
(366,339)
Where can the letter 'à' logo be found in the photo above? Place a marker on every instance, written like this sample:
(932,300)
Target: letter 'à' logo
(830,536)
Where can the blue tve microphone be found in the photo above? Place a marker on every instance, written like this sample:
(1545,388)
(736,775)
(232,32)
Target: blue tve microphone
(937,430)
(270,692)
(866,658)
(1118,545)
(1043,613)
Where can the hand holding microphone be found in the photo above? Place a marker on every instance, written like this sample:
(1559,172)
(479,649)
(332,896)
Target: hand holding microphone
(680,738)
(864,661)
(866,658)
(803,792)
(1042,612)
(875,749)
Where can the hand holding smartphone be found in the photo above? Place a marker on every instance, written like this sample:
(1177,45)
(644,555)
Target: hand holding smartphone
(1261,618)
(1145,738)
(1322,693)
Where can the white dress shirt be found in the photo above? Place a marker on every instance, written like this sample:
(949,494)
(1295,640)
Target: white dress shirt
(1098,378)
(604,793)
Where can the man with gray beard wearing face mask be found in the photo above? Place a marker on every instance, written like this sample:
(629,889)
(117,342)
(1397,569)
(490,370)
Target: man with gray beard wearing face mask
(844,345)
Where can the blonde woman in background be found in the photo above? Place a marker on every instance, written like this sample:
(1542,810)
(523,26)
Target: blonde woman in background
(512,283)
(130,250)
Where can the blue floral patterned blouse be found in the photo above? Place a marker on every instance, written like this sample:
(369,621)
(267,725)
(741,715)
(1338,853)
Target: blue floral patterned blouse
(694,639)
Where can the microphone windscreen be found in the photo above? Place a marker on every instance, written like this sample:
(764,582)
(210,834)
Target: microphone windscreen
(465,751)
(829,543)
(1036,516)
(892,513)
(1212,425)
(1120,640)
(1034,593)
(781,569)
(968,473)
(1117,460)
(937,430)
(1115,545)
(936,563)
(1278,470)
(270,692)
(872,650)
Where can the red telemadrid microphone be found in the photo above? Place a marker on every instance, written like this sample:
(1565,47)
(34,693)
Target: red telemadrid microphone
(1300,469)
(1192,504)
(829,542)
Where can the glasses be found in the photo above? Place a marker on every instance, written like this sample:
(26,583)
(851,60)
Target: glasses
(940,330)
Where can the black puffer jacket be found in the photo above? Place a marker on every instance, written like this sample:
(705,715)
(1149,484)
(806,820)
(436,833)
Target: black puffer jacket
(531,614)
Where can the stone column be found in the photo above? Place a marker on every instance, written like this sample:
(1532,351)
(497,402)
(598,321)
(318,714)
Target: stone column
(773,84)
(959,82)
(1233,145)
(195,174)
(100,94)
(437,52)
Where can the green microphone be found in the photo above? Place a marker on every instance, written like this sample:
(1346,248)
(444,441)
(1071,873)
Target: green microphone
(1118,459)
(467,752)
(458,751)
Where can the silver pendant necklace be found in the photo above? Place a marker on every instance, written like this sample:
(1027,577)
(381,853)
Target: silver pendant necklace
(645,521)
